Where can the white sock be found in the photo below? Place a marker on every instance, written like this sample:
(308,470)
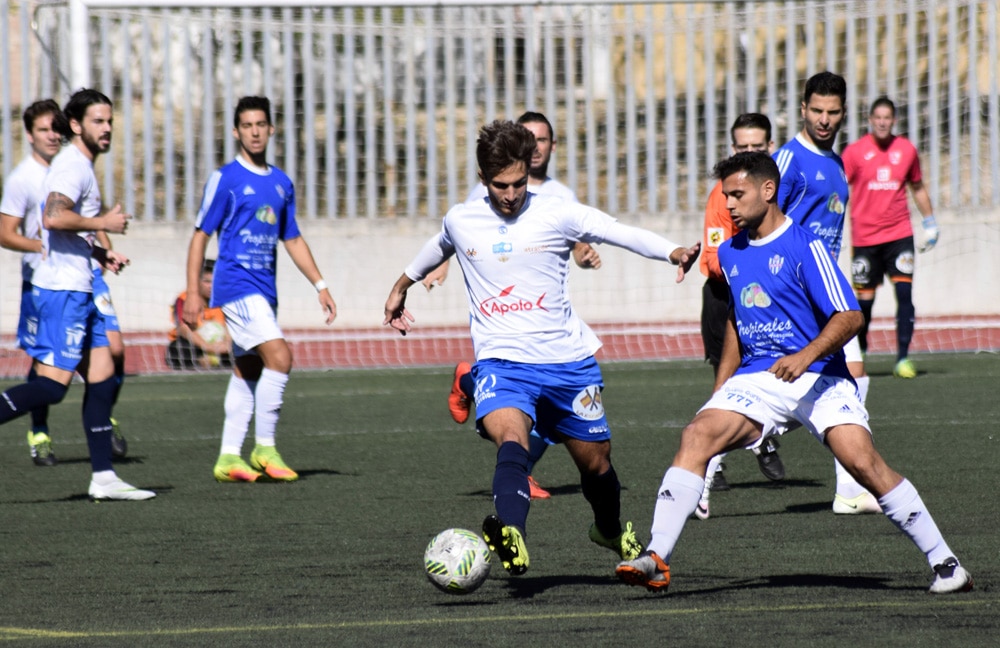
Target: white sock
(863,382)
(239,404)
(907,511)
(270,394)
(713,466)
(104,477)
(676,500)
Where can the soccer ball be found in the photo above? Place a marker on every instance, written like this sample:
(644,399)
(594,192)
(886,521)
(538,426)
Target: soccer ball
(211,331)
(457,561)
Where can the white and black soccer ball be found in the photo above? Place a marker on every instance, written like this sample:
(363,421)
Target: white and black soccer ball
(457,561)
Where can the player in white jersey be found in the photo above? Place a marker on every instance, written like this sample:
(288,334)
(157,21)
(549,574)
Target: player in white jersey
(21,231)
(462,388)
(783,367)
(71,335)
(251,205)
(534,356)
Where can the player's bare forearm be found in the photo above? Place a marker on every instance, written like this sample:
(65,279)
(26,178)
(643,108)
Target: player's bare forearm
(303,259)
(396,314)
(730,358)
(586,256)
(194,304)
(436,276)
(684,259)
(922,198)
(841,328)
(11,237)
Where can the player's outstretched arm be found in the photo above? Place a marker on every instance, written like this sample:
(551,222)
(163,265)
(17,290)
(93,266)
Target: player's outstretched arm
(842,327)
(303,259)
(396,314)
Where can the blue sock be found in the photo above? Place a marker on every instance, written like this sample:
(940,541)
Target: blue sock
(97,401)
(468,386)
(39,415)
(604,494)
(26,397)
(536,448)
(510,485)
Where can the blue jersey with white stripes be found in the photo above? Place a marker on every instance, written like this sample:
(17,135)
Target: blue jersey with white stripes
(785,288)
(813,190)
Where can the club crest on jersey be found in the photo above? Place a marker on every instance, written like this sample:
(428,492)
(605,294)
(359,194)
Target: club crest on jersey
(471,254)
(714,236)
(265,214)
(506,303)
(753,295)
(587,404)
(775,263)
(502,229)
(281,191)
(895,157)
(835,205)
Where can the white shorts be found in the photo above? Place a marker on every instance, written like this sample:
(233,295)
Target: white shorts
(251,322)
(815,401)
(852,350)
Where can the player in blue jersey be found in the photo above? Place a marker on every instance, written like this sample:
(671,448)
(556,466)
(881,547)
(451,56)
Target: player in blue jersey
(251,206)
(534,355)
(782,367)
(813,193)
(71,333)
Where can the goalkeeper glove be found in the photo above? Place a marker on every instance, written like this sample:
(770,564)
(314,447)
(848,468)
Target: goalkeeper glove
(931,233)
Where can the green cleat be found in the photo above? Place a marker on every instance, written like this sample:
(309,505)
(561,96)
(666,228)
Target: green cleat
(626,545)
(267,460)
(40,446)
(905,369)
(232,468)
(508,544)
(119,446)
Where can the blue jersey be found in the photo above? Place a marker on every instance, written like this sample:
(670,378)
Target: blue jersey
(251,211)
(785,288)
(813,190)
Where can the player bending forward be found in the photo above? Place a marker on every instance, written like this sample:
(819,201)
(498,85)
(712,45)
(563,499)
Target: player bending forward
(793,310)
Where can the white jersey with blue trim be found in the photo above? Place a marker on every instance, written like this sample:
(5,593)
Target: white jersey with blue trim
(813,190)
(785,288)
(23,195)
(517,270)
(66,254)
(548,187)
(251,209)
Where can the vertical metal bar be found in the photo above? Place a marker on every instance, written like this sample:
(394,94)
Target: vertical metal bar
(933,114)
(771,20)
(128,152)
(388,109)
(975,134)
(268,40)
(732,80)
(830,24)
(530,60)
(208,123)
(190,161)
(570,40)
(590,120)
(228,105)
(410,100)
(691,105)
(994,102)
(954,110)
(670,124)
(308,56)
(148,134)
(631,139)
(912,79)
(649,53)
(430,114)
(871,56)
(811,43)
(247,49)
(469,16)
(330,113)
(792,90)
(371,136)
(450,106)
(750,54)
(107,86)
(290,125)
(853,125)
(169,195)
(350,116)
(509,63)
(891,53)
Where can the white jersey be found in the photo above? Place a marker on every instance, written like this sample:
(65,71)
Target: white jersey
(516,274)
(23,194)
(548,187)
(66,264)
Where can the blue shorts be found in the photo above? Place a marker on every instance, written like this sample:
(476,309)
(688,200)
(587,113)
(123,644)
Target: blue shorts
(102,299)
(561,399)
(68,323)
(27,323)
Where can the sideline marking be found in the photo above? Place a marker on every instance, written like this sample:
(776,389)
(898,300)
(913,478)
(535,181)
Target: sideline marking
(15,634)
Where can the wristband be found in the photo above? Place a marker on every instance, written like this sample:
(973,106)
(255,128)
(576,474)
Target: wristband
(320,286)
(929,221)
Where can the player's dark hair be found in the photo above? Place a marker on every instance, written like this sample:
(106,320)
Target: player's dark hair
(756,164)
(37,109)
(252,103)
(76,108)
(531,117)
(502,144)
(208,266)
(825,84)
(883,101)
(751,120)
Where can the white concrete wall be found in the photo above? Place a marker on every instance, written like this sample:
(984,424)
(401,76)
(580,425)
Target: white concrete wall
(361,259)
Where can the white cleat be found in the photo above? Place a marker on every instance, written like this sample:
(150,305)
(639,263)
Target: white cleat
(118,490)
(950,577)
(863,503)
(702,512)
